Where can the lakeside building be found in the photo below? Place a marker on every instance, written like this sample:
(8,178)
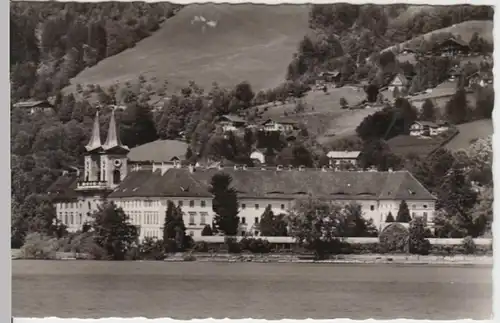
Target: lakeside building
(142,192)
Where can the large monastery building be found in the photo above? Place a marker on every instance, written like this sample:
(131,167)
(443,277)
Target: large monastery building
(142,188)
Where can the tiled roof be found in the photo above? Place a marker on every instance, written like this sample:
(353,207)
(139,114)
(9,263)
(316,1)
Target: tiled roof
(32,103)
(257,183)
(158,151)
(343,154)
(64,187)
(233,118)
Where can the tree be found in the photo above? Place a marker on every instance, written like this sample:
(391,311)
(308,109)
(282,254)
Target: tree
(315,224)
(356,224)
(403,213)
(272,225)
(112,231)
(224,204)
(457,109)
(372,92)
(428,111)
(174,230)
(389,218)
(207,231)
(419,244)
(343,102)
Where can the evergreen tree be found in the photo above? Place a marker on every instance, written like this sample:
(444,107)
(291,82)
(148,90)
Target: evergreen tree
(389,218)
(428,111)
(419,244)
(113,232)
(207,231)
(266,225)
(456,108)
(174,228)
(224,204)
(403,213)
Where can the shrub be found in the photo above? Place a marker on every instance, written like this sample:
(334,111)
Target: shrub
(389,218)
(39,246)
(468,245)
(394,238)
(418,238)
(207,231)
(200,246)
(189,258)
(85,244)
(255,245)
(232,245)
(152,249)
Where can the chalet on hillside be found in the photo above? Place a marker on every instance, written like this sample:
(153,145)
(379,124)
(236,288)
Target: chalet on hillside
(336,158)
(230,122)
(281,126)
(400,82)
(428,129)
(481,78)
(451,47)
(330,76)
(33,106)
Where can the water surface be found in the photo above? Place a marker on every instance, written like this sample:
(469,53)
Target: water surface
(91,289)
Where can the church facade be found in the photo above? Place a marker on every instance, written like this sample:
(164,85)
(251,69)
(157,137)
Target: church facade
(143,192)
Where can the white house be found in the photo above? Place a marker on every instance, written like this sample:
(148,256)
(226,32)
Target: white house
(33,106)
(231,123)
(336,158)
(399,82)
(281,126)
(427,128)
(258,156)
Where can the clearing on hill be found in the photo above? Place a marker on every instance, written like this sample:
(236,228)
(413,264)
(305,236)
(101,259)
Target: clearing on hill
(204,43)
(469,132)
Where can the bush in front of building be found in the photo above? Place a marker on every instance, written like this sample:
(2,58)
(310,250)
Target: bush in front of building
(152,249)
(39,246)
(418,244)
(207,231)
(231,245)
(468,245)
(394,239)
(255,245)
(200,246)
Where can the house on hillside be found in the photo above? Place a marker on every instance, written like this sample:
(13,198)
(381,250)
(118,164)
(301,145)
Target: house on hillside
(481,78)
(258,156)
(280,126)
(451,47)
(428,129)
(230,122)
(330,76)
(400,82)
(337,158)
(454,73)
(33,106)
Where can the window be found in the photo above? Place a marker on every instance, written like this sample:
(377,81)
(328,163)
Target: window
(191,233)
(269,206)
(66,218)
(425,217)
(203,203)
(256,220)
(372,207)
(413,206)
(243,220)
(243,206)
(71,218)
(256,233)
(89,205)
(180,203)
(282,206)
(191,203)
(413,214)
(243,233)
(203,217)
(191,217)
(256,206)
(425,206)
(80,218)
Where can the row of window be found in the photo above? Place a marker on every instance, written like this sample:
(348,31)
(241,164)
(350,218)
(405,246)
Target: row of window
(151,217)
(203,218)
(257,206)
(414,214)
(70,218)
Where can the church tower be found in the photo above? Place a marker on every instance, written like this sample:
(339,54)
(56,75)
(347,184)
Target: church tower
(114,157)
(92,172)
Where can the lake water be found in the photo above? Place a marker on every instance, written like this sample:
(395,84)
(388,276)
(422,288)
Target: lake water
(91,289)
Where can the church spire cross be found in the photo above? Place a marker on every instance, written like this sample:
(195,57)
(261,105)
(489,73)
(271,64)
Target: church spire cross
(113,139)
(95,139)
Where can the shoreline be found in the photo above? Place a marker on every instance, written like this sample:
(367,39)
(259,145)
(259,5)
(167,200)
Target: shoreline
(398,259)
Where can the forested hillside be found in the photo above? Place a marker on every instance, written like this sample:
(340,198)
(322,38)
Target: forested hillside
(51,42)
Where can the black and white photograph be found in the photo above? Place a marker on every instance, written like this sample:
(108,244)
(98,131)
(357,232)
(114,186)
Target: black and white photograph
(285,161)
